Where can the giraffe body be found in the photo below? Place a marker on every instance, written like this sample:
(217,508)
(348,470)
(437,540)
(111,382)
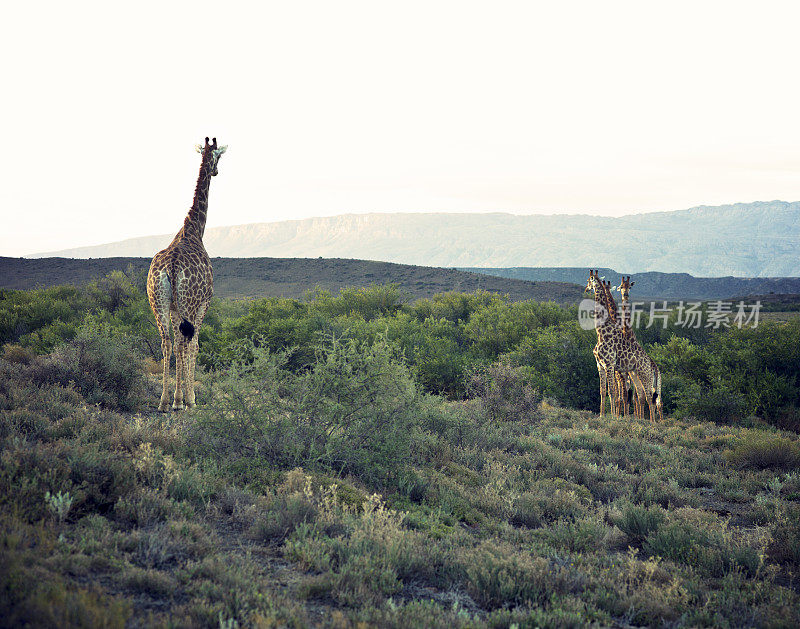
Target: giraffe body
(180,284)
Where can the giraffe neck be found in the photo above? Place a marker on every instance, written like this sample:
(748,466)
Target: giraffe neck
(626,316)
(195,222)
(611,306)
(610,324)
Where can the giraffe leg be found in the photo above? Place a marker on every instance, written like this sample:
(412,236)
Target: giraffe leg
(180,375)
(194,349)
(159,294)
(612,385)
(166,351)
(648,394)
(640,397)
(180,363)
(652,408)
(191,356)
(625,396)
(659,400)
(603,391)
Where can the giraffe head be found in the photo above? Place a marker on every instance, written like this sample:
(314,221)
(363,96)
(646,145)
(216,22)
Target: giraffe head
(211,154)
(625,287)
(594,283)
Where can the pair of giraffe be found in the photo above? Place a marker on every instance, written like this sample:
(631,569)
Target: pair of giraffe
(619,354)
(180,284)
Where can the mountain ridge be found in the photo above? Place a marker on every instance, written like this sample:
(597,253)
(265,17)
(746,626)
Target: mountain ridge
(759,239)
(294,277)
(247,278)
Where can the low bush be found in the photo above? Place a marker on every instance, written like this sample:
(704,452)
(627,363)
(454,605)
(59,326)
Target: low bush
(498,578)
(504,392)
(763,453)
(784,545)
(14,353)
(351,412)
(638,522)
(105,368)
(702,542)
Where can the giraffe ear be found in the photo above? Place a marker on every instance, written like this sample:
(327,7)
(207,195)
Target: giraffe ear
(631,284)
(222,149)
(198,148)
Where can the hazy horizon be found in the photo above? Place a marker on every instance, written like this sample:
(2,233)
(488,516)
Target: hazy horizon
(358,107)
(577,214)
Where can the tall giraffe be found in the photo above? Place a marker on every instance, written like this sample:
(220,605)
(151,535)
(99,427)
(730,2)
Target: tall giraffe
(620,353)
(624,289)
(606,326)
(180,285)
(625,383)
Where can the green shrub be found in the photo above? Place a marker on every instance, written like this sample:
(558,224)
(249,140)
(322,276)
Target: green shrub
(579,536)
(368,302)
(104,368)
(717,403)
(558,362)
(152,582)
(498,577)
(30,599)
(701,543)
(762,453)
(784,545)
(351,411)
(504,392)
(282,517)
(638,522)
(14,353)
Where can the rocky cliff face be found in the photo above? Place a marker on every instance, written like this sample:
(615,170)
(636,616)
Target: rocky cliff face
(746,239)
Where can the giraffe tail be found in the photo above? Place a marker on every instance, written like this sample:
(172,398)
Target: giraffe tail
(186,327)
(657,388)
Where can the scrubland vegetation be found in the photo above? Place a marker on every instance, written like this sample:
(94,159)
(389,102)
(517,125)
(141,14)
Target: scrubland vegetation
(359,459)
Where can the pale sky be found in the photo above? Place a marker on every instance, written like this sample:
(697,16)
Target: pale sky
(331,107)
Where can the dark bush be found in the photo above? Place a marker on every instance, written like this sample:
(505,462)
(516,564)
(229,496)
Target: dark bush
(763,453)
(504,392)
(106,369)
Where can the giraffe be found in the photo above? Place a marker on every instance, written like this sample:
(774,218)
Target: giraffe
(624,289)
(626,382)
(620,353)
(605,325)
(180,285)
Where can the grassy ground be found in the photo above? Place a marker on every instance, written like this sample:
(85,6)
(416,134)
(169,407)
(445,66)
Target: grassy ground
(501,510)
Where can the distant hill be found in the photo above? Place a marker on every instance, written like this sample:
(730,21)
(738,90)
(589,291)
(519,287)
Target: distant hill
(663,285)
(745,240)
(276,277)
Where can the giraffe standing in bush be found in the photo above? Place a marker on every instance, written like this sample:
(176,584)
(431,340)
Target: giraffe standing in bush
(624,289)
(626,382)
(180,285)
(605,324)
(623,354)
